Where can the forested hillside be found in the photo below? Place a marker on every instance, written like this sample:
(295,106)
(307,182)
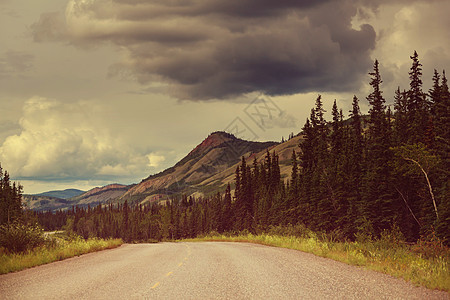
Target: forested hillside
(348,178)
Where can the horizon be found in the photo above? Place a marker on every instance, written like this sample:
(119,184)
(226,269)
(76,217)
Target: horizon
(98,92)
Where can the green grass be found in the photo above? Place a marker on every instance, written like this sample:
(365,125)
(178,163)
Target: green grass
(59,250)
(396,259)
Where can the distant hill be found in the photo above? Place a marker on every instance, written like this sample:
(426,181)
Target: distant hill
(44,202)
(101,194)
(207,169)
(62,194)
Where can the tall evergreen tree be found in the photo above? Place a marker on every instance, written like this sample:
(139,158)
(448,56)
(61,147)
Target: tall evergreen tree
(336,169)
(400,117)
(337,131)
(441,114)
(417,108)
(125,221)
(441,118)
(377,207)
(353,167)
(227,213)
(294,177)
(435,93)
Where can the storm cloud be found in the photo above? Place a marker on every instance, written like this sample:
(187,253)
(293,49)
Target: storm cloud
(201,49)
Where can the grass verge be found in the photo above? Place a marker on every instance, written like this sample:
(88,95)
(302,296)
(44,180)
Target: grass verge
(397,260)
(59,250)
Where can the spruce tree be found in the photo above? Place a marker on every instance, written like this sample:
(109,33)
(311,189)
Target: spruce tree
(294,176)
(307,150)
(442,120)
(441,115)
(337,131)
(293,196)
(400,117)
(353,168)
(417,108)
(435,93)
(227,213)
(377,208)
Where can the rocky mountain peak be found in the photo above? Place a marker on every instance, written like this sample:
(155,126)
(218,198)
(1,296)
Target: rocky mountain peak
(213,140)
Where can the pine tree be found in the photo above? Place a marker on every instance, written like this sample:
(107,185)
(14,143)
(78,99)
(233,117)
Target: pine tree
(125,221)
(435,93)
(321,130)
(307,159)
(441,118)
(336,170)
(315,173)
(227,213)
(244,197)
(377,109)
(293,196)
(294,177)
(441,114)
(337,132)
(377,208)
(417,108)
(353,168)
(400,117)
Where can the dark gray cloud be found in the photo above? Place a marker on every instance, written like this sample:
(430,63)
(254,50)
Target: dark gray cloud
(219,49)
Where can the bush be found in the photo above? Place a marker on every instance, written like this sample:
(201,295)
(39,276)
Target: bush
(18,237)
(431,246)
(298,230)
(390,239)
(364,231)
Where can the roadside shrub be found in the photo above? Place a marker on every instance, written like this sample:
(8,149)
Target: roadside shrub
(431,246)
(364,231)
(297,230)
(392,238)
(18,237)
(332,237)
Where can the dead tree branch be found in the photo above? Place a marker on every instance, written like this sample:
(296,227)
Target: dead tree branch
(406,203)
(428,182)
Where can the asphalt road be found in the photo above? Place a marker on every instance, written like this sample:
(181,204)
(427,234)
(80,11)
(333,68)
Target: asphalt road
(204,271)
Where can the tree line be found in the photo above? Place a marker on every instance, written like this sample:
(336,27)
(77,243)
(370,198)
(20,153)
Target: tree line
(351,176)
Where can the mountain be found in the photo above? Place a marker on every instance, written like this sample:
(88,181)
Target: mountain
(103,194)
(62,194)
(283,150)
(215,154)
(45,202)
(207,169)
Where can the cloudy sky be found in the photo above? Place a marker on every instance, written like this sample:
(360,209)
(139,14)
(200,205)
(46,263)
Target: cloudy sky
(100,91)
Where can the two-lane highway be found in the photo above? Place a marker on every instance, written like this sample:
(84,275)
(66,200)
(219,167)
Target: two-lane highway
(205,270)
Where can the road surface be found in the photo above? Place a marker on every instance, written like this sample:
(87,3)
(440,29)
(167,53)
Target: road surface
(207,270)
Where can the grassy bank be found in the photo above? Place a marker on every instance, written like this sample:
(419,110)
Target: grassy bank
(426,267)
(58,250)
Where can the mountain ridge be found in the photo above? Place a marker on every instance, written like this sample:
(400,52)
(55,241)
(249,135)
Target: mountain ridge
(206,169)
(215,153)
(62,194)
